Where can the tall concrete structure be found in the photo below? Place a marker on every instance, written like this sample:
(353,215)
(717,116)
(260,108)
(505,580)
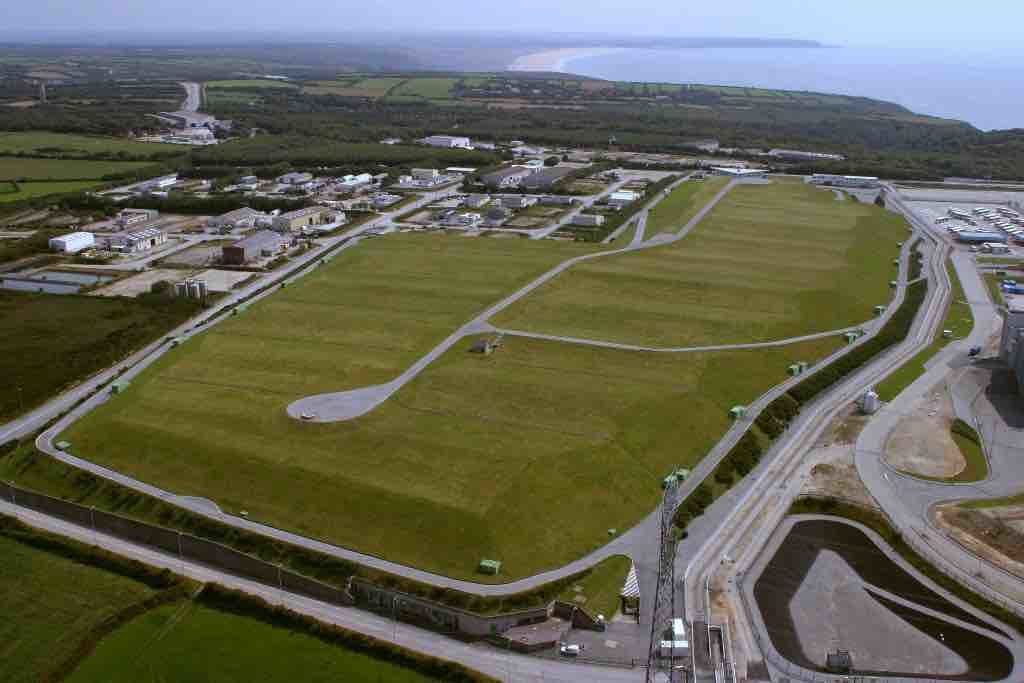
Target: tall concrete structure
(1011,347)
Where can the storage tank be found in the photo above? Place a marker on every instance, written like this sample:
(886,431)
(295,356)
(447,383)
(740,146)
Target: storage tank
(870,403)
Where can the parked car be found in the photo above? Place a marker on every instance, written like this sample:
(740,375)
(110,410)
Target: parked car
(975,350)
(570,650)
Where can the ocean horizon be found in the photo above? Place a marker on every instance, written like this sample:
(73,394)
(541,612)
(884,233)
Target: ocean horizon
(981,89)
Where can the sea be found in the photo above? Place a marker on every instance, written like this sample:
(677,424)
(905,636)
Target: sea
(981,88)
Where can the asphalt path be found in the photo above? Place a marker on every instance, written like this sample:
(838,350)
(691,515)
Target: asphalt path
(493,661)
(349,405)
(192,97)
(731,544)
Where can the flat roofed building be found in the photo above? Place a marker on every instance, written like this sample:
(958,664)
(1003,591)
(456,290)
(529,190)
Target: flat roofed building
(588,219)
(507,177)
(295,221)
(735,172)
(448,141)
(73,242)
(844,180)
(546,178)
(258,245)
(239,218)
(127,217)
(137,241)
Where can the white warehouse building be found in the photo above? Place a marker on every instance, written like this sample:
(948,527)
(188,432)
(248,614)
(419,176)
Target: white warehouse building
(844,180)
(73,242)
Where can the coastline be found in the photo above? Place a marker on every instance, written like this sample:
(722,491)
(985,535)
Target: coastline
(557,59)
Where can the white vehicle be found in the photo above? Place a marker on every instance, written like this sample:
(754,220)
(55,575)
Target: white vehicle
(570,650)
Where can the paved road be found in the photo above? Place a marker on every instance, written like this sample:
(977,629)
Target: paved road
(193,97)
(768,492)
(34,420)
(676,349)
(641,228)
(495,662)
(907,500)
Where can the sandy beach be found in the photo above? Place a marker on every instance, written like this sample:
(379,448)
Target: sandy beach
(555,60)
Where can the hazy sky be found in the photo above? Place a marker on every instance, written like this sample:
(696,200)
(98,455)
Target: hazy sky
(993,24)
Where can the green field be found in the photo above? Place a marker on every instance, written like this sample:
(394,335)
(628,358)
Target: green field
(430,88)
(45,189)
(251,84)
(85,333)
(46,144)
(528,456)
(770,262)
(15,168)
(676,210)
(192,643)
(367,87)
(51,605)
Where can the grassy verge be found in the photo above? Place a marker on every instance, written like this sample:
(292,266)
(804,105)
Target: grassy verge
(61,597)
(598,591)
(875,521)
(969,443)
(22,465)
(199,640)
(959,320)
(992,283)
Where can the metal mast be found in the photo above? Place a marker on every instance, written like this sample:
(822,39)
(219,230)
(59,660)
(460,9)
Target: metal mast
(665,593)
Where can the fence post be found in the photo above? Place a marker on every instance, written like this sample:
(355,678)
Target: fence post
(181,554)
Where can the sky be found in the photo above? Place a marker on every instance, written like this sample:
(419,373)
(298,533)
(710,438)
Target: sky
(993,25)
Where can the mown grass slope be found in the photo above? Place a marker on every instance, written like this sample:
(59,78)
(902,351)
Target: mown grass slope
(527,456)
(769,262)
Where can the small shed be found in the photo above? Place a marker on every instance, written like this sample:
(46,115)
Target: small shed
(839,662)
(736,412)
(794,370)
(485,346)
(63,445)
(492,567)
(119,386)
(629,596)
(851,337)
(892,284)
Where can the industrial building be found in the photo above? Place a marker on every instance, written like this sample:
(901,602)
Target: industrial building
(619,199)
(128,217)
(244,218)
(1011,346)
(448,141)
(517,201)
(737,172)
(351,183)
(507,177)
(73,242)
(161,183)
(978,237)
(135,242)
(262,244)
(422,178)
(295,178)
(588,219)
(832,180)
(800,155)
(475,201)
(546,178)
(296,221)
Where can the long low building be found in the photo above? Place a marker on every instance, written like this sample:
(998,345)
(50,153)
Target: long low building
(73,242)
(975,237)
(239,218)
(258,245)
(832,180)
(296,221)
(135,242)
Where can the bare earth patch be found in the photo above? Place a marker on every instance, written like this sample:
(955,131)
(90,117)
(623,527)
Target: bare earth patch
(921,443)
(993,533)
(835,476)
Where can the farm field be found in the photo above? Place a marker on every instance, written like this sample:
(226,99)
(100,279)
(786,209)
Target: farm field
(367,87)
(51,605)
(770,262)
(430,88)
(36,331)
(528,456)
(54,144)
(14,168)
(189,642)
(31,190)
(250,84)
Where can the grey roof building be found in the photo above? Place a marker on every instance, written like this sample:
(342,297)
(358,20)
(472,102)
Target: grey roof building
(546,178)
(257,245)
